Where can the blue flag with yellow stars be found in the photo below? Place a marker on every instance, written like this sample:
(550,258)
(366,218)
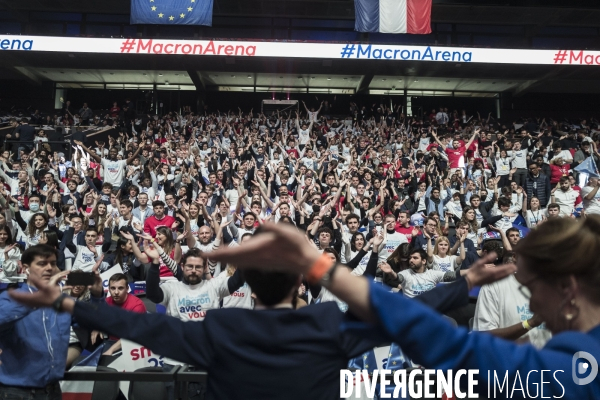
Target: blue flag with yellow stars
(172,12)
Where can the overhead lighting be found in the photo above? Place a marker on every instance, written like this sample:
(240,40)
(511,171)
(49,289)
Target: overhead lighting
(447,81)
(299,77)
(328,79)
(176,74)
(249,76)
(281,77)
(145,74)
(345,79)
(416,80)
(78,73)
(112,73)
(160,74)
(166,82)
(383,79)
(233,76)
(478,81)
(312,77)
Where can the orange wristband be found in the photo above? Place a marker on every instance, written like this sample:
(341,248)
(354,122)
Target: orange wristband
(318,269)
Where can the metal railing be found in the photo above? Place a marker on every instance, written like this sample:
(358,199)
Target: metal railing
(178,376)
(66,145)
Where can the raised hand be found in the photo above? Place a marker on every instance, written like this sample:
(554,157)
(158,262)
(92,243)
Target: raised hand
(47,293)
(150,250)
(385,267)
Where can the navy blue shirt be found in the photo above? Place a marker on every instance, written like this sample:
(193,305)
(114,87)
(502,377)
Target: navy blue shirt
(275,353)
(469,246)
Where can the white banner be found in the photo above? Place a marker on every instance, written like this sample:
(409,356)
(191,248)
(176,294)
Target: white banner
(297,50)
(105,276)
(134,357)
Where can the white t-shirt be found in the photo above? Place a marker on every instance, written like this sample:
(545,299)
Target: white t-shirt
(326,295)
(590,206)
(534,218)
(415,284)
(114,171)
(241,298)
(85,259)
(391,243)
(446,264)
(191,302)
(123,222)
(566,201)
(501,304)
(362,265)
(303,136)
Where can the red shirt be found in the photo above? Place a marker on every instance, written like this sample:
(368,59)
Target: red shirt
(557,172)
(151,223)
(131,303)
(454,156)
(406,231)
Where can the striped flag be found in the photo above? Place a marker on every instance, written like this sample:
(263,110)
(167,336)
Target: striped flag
(81,390)
(393,16)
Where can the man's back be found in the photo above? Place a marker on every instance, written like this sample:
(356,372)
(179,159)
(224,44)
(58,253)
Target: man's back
(249,354)
(26,133)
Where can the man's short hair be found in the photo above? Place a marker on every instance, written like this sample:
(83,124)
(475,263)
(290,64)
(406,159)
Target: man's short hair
(492,246)
(553,205)
(563,179)
(352,216)
(421,252)
(513,229)
(191,253)
(127,203)
(91,229)
(503,202)
(325,230)
(250,213)
(117,277)
(39,250)
(107,185)
(270,287)
(158,203)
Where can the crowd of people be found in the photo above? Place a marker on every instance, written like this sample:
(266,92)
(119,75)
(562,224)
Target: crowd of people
(410,202)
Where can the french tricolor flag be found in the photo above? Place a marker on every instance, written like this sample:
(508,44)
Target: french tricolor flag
(82,390)
(393,16)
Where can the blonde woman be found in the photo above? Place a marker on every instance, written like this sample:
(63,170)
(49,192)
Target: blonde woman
(438,256)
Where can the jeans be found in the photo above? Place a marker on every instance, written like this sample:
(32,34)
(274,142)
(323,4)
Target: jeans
(520,176)
(51,392)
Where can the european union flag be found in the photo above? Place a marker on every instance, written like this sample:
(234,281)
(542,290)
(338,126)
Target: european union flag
(588,166)
(172,12)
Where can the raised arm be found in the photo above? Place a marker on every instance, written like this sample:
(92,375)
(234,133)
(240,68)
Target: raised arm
(96,157)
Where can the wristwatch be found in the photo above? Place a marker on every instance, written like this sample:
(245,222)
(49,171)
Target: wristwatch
(328,277)
(57,304)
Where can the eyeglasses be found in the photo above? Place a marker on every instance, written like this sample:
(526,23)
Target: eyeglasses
(193,267)
(524,288)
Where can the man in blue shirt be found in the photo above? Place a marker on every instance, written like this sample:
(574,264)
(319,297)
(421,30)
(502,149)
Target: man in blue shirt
(34,340)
